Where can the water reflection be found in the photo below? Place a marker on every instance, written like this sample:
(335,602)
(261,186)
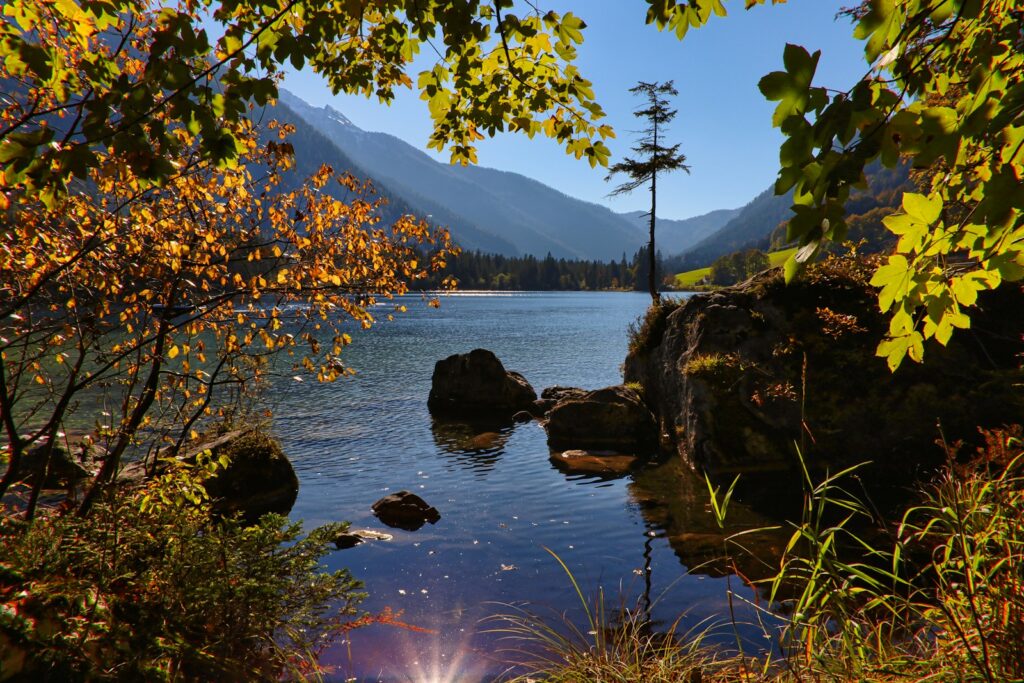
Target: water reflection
(476,446)
(675,504)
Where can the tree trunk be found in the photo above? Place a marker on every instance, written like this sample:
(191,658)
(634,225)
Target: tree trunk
(652,274)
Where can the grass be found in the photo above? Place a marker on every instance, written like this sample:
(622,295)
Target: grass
(941,600)
(692,278)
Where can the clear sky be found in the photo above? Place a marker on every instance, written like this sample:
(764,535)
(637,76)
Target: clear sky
(724,123)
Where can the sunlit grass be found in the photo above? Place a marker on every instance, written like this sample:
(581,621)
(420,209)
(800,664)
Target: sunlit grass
(694,277)
(944,601)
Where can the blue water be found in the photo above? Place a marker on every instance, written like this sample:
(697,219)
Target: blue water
(503,505)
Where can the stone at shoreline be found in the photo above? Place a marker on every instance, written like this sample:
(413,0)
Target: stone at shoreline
(258,479)
(726,374)
(560,393)
(62,472)
(405,510)
(614,418)
(550,397)
(353,537)
(477,384)
(523,416)
(593,462)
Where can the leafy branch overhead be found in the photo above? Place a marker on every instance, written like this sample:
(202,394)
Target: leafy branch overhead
(944,91)
(70,91)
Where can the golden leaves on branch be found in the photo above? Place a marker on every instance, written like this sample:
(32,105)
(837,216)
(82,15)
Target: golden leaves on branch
(208,274)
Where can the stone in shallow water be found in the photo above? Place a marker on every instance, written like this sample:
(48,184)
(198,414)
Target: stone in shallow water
(352,538)
(477,384)
(613,418)
(405,510)
(593,462)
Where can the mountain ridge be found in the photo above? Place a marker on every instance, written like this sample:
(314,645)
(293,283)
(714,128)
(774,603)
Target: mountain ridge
(534,218)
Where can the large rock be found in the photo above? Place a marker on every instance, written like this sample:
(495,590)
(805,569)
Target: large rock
(477,384)
(740,377)
(405,510)
(614,418)
(258,479)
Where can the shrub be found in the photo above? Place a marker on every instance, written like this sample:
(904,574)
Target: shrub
(148,587)
(646,332)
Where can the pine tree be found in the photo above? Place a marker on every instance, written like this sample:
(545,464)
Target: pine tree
(653,157)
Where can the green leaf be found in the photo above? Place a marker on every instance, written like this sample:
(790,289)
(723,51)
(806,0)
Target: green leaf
(925,209)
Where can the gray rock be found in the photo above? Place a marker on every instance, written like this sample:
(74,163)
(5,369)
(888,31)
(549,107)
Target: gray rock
(405,510)
(477,384)
(614,418)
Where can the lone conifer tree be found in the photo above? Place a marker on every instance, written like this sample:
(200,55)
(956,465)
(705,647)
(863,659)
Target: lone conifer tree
(653,157)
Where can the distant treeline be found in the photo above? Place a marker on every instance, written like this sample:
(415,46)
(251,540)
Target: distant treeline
(476,270)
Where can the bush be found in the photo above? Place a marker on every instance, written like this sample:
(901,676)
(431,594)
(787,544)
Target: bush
(148,587)
(646,332)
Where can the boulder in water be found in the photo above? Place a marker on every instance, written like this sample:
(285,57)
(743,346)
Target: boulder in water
(476,384)
(405,510)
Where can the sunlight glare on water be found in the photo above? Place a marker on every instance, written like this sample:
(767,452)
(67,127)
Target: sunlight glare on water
(502,503)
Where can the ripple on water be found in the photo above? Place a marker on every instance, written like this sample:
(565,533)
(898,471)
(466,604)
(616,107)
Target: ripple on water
(504,507)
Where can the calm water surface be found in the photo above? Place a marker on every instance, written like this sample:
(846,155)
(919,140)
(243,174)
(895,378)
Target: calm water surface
(501,501)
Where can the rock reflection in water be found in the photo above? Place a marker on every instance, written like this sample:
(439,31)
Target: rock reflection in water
(675,503)
(476,446)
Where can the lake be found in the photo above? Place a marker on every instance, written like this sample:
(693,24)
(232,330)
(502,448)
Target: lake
(503,505)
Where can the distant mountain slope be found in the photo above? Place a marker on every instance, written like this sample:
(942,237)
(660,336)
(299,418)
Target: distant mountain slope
(757,224)
(676,236)
(313,148)
(751,227)
(532,217)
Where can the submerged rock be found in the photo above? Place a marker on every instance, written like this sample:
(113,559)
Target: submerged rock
(477,384)
(352,538)
(614,418)
(593,462)
(739,377)
(405,510)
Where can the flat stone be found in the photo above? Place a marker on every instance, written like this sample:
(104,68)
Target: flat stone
(352,538)
(593,462)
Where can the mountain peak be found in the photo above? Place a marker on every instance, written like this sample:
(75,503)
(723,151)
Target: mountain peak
(337,116)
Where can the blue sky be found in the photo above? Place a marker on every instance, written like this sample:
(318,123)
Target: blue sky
(723,125)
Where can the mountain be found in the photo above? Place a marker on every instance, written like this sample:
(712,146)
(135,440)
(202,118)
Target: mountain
(752,226)
(676,236)
(530,216)
(313,148)
(757,225)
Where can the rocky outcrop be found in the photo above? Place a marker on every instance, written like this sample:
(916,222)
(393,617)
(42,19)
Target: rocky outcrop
(739,377)
(614,418)
(476,384)
(405,510)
